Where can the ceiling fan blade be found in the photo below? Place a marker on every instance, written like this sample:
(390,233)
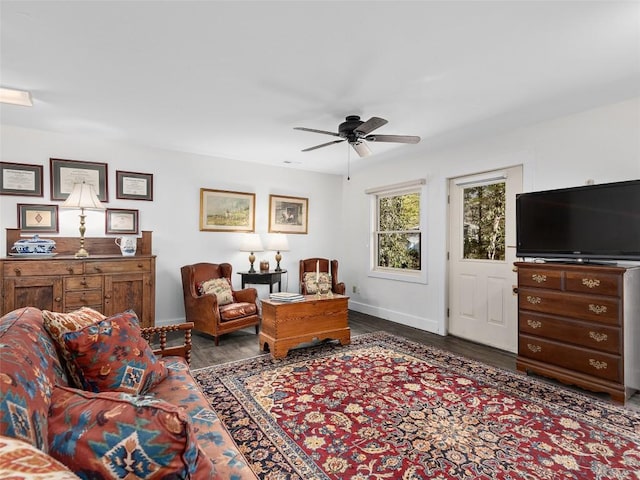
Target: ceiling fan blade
(393,138)
(370,125)
(304,129)
(323,145)
(361,149)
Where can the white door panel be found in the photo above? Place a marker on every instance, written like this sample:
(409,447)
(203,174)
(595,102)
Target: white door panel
(482,306)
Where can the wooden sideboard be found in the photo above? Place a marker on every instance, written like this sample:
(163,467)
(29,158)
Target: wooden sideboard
(105,281)
(580,324)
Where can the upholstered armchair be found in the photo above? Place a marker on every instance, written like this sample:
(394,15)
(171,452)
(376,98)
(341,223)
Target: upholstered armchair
(308,265)
(223,309)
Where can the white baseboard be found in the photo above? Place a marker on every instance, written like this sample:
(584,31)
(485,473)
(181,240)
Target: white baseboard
(398,317)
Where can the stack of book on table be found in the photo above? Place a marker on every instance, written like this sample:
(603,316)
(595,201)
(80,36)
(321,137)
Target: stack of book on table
(286,297)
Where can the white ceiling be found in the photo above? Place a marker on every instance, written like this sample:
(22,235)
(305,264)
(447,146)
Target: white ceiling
(232,79)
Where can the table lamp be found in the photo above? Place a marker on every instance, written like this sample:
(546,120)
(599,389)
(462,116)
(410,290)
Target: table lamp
(251,243)
(83,196)
(279,243)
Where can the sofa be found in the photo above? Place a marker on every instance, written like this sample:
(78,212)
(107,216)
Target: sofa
(88,397)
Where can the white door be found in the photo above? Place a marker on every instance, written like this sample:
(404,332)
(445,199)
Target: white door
(482,239)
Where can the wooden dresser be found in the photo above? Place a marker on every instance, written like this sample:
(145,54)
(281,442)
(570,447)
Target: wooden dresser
(105,281)
(580,324)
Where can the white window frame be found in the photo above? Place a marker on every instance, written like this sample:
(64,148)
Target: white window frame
(402,275)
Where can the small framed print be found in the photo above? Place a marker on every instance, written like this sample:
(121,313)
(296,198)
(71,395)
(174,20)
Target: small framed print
(288,214)
(38,218)
(121,221)
(65,173)
(134,185)
(20,179)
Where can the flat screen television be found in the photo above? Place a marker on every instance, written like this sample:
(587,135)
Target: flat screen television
(591,222)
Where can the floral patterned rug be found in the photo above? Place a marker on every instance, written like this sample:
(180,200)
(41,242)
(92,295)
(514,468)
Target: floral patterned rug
(387,408)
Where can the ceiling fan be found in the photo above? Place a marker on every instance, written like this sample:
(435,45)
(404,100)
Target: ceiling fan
(356,132)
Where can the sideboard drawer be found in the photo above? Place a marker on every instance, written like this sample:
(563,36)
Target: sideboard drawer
(584,307)
(119,266)
(85,282)
(593,283)
(29,268)
(77,299)
(591,335)
(591,362)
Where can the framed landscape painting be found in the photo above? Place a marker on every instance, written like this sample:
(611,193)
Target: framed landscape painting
(226,211)
(288,214)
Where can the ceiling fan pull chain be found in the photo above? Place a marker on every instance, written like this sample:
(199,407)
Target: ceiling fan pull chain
(348,163)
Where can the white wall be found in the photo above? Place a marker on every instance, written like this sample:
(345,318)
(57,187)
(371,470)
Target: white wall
(601,144)
(173,215)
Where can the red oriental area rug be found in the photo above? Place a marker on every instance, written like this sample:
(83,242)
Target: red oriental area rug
(387,408)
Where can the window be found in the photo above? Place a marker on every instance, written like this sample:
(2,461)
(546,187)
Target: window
(397,247)
(484,217)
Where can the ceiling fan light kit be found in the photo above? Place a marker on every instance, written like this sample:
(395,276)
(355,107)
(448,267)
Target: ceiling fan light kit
(356,133)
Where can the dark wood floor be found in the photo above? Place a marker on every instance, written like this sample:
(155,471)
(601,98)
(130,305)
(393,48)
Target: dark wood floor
(244,344)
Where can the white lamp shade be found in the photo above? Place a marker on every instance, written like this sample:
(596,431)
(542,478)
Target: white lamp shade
(278,242)
(251,243)
(83,195)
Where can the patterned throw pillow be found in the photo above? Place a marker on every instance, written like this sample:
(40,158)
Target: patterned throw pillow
(57,324)
(220,288)
(112,355)
(117,435)
(324,282)
(21,460)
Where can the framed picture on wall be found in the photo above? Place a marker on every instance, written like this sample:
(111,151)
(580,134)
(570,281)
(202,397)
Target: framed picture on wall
(38,218)
(134,185)
(20,179)
(118,220)
(65,173)
(288,214)
(225,211)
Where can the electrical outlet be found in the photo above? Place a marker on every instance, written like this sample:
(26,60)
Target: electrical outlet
(355,289)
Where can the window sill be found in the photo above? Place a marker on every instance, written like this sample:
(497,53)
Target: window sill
(399,276)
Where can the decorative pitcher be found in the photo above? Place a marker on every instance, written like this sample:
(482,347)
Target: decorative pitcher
(127,245)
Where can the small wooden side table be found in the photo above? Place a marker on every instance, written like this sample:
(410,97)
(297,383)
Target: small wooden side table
(263,278)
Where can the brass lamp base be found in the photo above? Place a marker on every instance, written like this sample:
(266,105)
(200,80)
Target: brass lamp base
(82,253)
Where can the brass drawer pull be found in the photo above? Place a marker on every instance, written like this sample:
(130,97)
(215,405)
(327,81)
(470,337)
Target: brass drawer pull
(539,278)
(18,271)
(597,364)
(591,282)
(534,323)
(70,269)
(533,300)
(534,348)
(598,337)
(597,309)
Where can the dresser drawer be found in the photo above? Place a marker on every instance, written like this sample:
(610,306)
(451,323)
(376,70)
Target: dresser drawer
(77,299)
(591,335)
(582,307)
(83,282)
(119,266)
(591,362)
(594,283)
(540,278)
(42,267)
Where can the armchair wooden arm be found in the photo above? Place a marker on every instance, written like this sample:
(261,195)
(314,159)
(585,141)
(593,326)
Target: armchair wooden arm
(183,350)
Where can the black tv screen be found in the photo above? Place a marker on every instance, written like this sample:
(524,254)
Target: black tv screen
(588,222)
